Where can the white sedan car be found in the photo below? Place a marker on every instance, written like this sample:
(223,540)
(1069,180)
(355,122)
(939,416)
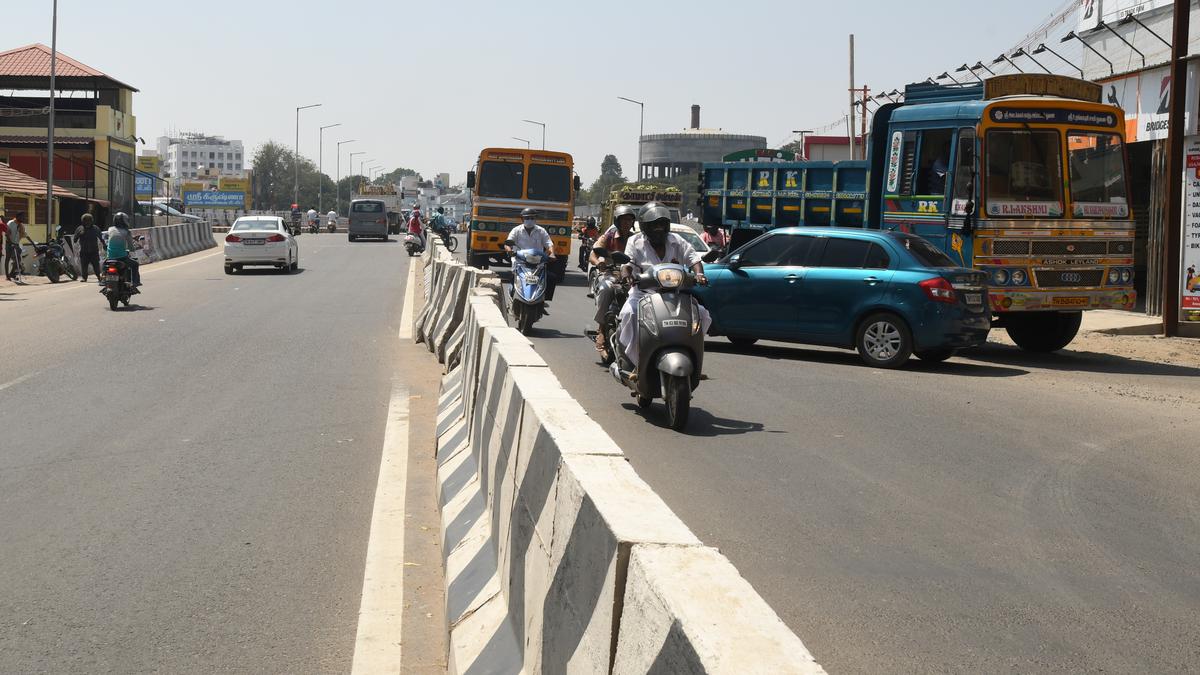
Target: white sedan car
(260,240)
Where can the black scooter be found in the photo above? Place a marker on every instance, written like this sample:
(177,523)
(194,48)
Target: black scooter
(670,342)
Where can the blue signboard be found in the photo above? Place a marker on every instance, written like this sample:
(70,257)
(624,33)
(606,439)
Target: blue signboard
(213,199)
(143,185)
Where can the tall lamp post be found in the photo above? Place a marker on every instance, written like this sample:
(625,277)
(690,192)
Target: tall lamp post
(543,126)
(641,130)
(321,166)
(338,200)
(296,159)
(361,168)
(523,140)
(351,165)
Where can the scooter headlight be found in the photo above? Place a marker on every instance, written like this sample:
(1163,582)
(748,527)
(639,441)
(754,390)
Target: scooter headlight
(533,259)
(670,278)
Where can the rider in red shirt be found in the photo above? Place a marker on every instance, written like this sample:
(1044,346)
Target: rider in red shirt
(415,227)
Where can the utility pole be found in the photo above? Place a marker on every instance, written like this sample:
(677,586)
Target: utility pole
(850,126)
(50,127)
(321,166)
(1173,239)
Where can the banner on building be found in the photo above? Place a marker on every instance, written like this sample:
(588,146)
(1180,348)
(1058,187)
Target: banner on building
(1092,12)
(214,199)
(143,185)
(148,164)
(1145,98)
(1189,294)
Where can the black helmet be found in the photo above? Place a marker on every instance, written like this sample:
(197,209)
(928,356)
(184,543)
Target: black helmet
(441,209)
(591,220)
(623,210)
(529,213)
(121,220)
(86,219)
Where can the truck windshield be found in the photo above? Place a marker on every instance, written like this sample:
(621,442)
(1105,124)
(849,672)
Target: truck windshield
(501,179)
(549,183)
(1024,173)
(1097,164)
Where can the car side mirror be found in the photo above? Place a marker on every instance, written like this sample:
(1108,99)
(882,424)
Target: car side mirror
(470,179)
(734,261)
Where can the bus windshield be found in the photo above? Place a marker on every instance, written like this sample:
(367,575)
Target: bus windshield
(549,183)
(1024,173)
(501,179)
(1097,164)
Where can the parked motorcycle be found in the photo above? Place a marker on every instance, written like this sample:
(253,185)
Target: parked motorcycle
(413,245)
(670,342)
(50,260)
(528,298)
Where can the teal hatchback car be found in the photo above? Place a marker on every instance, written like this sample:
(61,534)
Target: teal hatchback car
(887,294)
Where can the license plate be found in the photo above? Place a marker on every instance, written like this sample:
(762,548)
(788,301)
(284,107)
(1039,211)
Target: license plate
(974,298)
(254,242)
(1069,302)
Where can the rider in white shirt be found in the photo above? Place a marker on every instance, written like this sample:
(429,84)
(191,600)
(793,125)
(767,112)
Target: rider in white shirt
(531,235)
(312,216)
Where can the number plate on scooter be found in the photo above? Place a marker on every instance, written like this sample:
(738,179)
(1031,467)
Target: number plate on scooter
(674,323)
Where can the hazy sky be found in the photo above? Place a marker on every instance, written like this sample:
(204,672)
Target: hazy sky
(427,85)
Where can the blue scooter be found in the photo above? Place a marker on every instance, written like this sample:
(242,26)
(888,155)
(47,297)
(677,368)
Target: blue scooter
(528,299)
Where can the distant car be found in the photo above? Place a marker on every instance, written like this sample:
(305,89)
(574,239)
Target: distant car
(368,218)
(160,209)
(684,231)
(261,240)
(886,294)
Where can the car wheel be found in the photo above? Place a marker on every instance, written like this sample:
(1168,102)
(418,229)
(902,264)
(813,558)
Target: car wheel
(351,237)
(229,269)
(743,342)
(935,355)
(884,341)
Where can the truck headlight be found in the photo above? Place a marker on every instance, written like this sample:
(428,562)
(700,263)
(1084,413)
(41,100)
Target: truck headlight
(1114,275)
(1126,276)
(1000,277)
(1018,277)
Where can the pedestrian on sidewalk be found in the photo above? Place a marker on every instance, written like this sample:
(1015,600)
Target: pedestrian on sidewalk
(14,231)
(89,239)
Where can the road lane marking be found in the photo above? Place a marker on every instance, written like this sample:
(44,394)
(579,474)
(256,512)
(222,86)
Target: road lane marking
(406,314)
(146,269)
(19,380)
(378,643)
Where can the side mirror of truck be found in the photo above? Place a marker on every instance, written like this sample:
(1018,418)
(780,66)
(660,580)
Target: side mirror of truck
(470,179)
(578,184)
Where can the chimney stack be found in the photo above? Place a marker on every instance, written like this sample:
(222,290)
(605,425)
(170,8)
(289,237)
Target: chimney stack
(695,116)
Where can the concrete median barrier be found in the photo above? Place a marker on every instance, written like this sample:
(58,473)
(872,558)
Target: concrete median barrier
(558,556)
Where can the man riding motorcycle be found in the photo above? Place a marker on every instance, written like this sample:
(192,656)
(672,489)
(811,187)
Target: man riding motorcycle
(439,225)
(531,235)
(121,244)
(614,239)
(654,245)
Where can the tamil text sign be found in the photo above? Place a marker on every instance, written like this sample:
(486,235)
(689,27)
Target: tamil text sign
(214,199)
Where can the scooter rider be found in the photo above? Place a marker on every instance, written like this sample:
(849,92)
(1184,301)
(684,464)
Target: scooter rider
(531,235)
(415,227)
(331,218)
(614,239)
(121,244)
(655,245)
(439,225)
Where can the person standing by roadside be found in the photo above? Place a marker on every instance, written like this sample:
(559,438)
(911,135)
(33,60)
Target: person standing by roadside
(14,231)
(89,240)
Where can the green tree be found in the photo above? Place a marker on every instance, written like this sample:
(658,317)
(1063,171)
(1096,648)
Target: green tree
(610,177)
(395,175)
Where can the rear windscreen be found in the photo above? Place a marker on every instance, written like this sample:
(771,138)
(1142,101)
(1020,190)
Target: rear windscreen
(255,225)
(367,207)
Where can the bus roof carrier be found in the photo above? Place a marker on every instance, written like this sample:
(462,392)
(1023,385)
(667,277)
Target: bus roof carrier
(924,92)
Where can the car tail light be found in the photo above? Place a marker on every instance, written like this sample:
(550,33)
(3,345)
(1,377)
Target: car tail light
(112,270)
(232,238)
(380,221)
(276,237)
(939,290)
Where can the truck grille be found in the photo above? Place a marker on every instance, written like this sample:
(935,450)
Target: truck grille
(1120,247)
(513,212)
(1010,247)
(1070,247)
(1068,278)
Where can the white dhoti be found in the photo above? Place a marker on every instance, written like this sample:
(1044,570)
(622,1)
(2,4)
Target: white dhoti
(629,326)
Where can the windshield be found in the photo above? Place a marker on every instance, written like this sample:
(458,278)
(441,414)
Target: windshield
(549,183)
(692,238)
(926,253)
(1097,164)
(1024,173)
(367,207)
(255,225)
(501,179)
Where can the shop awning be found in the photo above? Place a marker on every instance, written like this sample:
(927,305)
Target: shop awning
(15,182)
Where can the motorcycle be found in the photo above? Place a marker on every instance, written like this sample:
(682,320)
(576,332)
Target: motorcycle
(528,298)
(413,245)
(585,247)
(331,226)
(313,227)
(117,284)
(670,342)
(50,261)
(448,241)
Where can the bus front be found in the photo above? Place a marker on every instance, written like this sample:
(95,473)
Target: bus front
(1055,231)
(506,182)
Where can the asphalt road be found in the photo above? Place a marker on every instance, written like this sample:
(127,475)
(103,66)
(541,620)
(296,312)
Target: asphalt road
(1000,512)
(188,486)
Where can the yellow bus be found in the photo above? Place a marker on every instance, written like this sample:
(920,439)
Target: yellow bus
(506,181)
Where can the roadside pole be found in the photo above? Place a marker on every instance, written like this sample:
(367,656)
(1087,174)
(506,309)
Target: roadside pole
(1172,246)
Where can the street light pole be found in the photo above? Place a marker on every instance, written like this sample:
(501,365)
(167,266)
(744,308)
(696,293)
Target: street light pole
(361,164)
(321,166)
(523,140)
(543,126)
(50,125)
(350,164)
(338,200)
(641,130)
(296,159)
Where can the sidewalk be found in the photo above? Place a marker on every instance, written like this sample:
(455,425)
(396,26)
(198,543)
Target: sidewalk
(1119,322)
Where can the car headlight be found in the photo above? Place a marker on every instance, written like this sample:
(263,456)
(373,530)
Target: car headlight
(1126,276)
(1018,277)
(670,278)
(1000,277)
